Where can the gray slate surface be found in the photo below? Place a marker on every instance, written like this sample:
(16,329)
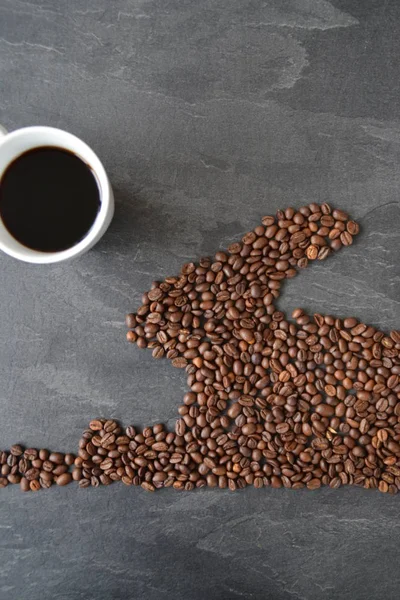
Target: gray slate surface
(207,115)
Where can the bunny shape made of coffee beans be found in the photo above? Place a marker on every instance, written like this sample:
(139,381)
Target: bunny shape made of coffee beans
(295,403)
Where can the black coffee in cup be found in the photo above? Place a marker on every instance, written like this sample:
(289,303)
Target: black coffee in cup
(49,199)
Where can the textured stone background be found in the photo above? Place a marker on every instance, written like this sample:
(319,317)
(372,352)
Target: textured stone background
(207,115)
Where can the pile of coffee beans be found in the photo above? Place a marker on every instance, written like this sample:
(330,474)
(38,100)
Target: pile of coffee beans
(274,402)
(34,469)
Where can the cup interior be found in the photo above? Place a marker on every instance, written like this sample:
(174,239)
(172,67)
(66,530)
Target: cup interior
(17,143)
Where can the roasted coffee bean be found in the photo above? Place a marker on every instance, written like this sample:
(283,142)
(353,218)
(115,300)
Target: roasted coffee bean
(48,466)
(312,252)
(23,465)
(16,450)
(148,487)
(57,458)
(158,352)
(12,478)
(35,485)
(60,469)
(64,479)
(131,321)
(180,427)
(31,453)
(32,474)
(45,483)
(69,459)
(77,474)
(24,485)
(132,337)
(44,454)
(46,476)
(179,362)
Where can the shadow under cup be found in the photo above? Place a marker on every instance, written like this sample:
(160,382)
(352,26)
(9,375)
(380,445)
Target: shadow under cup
(56,200)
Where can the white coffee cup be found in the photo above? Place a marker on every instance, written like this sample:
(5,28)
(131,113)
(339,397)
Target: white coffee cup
(16,143)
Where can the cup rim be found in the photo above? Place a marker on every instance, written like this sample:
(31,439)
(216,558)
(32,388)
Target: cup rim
(87,155)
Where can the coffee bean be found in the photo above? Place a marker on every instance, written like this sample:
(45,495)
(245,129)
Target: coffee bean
(158,352)
(383,487)
(107,440)
(12,478)
(105,479)
(130,432)
(16,450)
(180,427)
(323,253)
(32,474)
(31,453)
(23,465)
(352,227)
(131,321)
(148,487)
(24,485)
(340,215)
(64,479)
(312,252)
(57,458)
(179,362)
(346,238)
(268,220)
(132,337)
(60,469)
(247,335)
(44,483)
(330,390)
(48,466)
(77,474)
(44,454)
(160,447)
(45,475)
(69,459)
(314,484)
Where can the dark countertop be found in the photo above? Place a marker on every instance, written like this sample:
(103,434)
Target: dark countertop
(207,115)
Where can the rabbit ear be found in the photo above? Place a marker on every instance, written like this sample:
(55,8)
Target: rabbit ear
(290,242)
(236,292)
